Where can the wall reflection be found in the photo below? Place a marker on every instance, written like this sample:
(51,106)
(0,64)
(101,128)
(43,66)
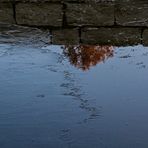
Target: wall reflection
(86,56)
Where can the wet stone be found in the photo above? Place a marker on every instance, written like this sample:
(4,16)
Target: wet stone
(131,13)
(6,13)
(100,14)
(113,36)
(6,1)
(145,37)
(65,36)
(39,14)
(49,1)
(24,35)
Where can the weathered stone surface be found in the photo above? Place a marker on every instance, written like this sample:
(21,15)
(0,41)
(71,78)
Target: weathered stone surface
(6,13)
(1,1)
(101,14)
(59,1)
(65,36)
(145,37)
(78,1)
(132,13)
(97,17)
(39,14)
(24,35)
(36,1)
(113,36)
(48,0)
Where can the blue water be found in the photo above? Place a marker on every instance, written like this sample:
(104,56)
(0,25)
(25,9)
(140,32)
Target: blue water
(46,101)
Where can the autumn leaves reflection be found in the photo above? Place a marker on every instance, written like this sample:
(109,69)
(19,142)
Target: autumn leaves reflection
(85,56)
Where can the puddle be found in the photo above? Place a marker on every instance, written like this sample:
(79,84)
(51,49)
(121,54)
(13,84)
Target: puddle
(73,96)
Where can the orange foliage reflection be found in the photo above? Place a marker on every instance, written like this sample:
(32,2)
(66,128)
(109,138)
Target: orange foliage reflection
(85,56)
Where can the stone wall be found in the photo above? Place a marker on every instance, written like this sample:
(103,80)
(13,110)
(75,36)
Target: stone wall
(82,21)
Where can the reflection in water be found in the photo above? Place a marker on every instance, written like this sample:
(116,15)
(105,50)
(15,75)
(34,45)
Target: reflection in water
(74,91)
(85,56)
(44,102)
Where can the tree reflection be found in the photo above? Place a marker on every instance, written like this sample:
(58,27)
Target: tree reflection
(85,56)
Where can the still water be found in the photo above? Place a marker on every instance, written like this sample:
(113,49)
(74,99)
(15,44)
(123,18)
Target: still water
(73,96)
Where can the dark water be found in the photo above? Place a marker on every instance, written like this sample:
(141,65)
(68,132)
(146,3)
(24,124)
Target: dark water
(73,97)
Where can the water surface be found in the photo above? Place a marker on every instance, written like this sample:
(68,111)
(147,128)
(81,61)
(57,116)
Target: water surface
(73,96)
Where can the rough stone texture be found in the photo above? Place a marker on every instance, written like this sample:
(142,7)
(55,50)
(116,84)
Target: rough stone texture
(39,14)
(61,1)
(101,14)
(78,1)
(132,13)
(100,19)
(6,1)
(145,37)
(6,13)
(25,35)
(49,1)
(65,36)
(114,36)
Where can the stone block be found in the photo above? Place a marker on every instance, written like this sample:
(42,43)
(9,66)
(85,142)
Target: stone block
(131,13)
(145,37)
(65,36)
(6,13)
(39,14)
(100,14)
(111,36)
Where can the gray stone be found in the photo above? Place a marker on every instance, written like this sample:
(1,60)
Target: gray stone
(101,14)
(39,14)
(1,1)
(145,37)
(6,13)
(65,36)
(48,1)
(112,36)
(24,35)
(132,13)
